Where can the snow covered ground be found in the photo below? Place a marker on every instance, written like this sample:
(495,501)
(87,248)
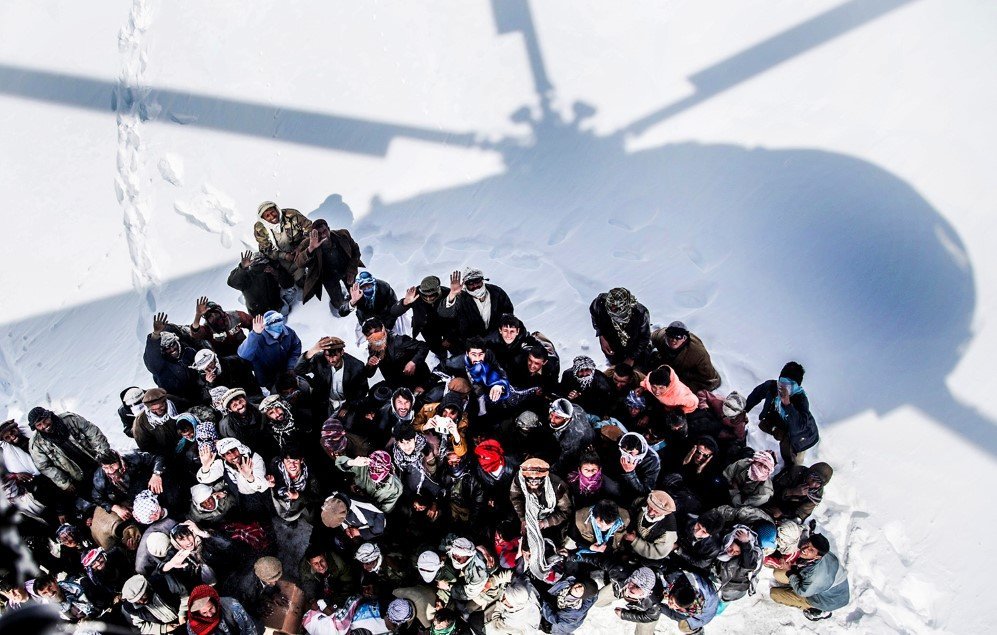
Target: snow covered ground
(808,180)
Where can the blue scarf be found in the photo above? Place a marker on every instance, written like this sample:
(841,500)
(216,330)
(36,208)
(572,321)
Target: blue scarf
(483,374)
(601,537)
(794,389)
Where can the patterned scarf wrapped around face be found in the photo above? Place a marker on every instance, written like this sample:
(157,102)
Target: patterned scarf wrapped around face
(586,484)
(380,466)
(292,483)
(580,363)
(619,304)
(206,434)
(406,462)
(565,599)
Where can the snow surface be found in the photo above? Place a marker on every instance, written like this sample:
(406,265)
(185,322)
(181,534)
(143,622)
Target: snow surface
(808,180)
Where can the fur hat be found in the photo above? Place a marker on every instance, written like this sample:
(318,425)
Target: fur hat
(268,569)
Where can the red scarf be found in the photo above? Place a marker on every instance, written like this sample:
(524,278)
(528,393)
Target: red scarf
(491,456)
(203,625)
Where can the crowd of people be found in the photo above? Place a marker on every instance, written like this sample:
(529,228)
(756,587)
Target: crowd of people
(458,478)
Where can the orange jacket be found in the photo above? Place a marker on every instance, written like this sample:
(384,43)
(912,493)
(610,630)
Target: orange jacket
(676,395)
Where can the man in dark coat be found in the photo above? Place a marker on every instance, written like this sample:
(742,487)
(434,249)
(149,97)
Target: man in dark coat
(573,431)
(687,355)
(511,342)
(223,330)
(401,359)
(622,325)
(330,260)
(476,306)
(536,369)
(371,298)
(260,279)
(230,372)
(424,301)
(584,385)
(338,379)
(169,361)
(786,413)
(121,477)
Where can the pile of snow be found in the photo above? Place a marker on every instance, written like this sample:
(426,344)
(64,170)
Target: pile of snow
(805,181)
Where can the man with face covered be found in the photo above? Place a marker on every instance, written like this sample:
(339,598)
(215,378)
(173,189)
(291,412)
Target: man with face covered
(639,590)
(584,385)
(476,306)
(622,325)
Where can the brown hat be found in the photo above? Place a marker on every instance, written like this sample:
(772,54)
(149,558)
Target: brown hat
(661,501)
(334,344)
(268,569)
(153,394)
(535,467)
(333,512)
(459,385)
(430,285)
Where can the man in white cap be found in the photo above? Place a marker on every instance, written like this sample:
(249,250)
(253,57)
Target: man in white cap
(151,607)
(209,503)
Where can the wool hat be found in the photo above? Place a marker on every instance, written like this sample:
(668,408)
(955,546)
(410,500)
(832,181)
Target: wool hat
(471,273)
(134,588)
(401,611)
(367,553)
(153,394)
(660,500)
(157,544)
(204,358)
(430,285)
(265,206)
(429,564)
(7,425)
(676,328)
(821,543)
(334,511)
(146,506)
(91,556)
(268,569)
(273,401)
(527,420)
(231,394)
(226,444)
(132,396)
(734,404)
(643,578)
(365,278)
(535,467)
(168,340)
(562,408)
(200,493)
(793,370)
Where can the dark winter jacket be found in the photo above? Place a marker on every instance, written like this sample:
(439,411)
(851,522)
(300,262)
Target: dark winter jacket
(643,611)
(236,373)
(794,498)
(597,398)
(468,319)
(691,361)
(384,300)
(271,357)
(509,355)
(574,437)
(638,329)
(698,553)
(427,321)
(54,462)
(798,423)
(644,477)
(399,351)
(566,620)
(140,466)
(319,373)
(174,376)
(313,263)
(261,284)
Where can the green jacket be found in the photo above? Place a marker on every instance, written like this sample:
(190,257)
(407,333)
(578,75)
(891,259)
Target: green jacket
(53,462)
(384,494)
(294,227)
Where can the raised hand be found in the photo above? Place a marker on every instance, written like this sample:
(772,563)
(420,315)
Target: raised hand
(247,259)
(313,240)
(202,306)
(258,325)
(207,456)
(355,293)
(411,295)
(246,468)
(456,286)
(159,323)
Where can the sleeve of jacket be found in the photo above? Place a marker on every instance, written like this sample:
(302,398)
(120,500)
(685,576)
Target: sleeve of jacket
(262,235)
(250,346)
(98,492)
(650,614)
(563,510)
(448,309)
(757,396)
(153,355)
(214,473)
(295,352)
(242,620)
(502,304)
(238,278)
(48,467)
(417,349)
(399,308)
(93,435)
(517,499)
(376,527)
(594,314)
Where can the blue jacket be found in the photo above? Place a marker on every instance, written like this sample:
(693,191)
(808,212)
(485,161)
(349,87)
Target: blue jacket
(174,376)
(564,621)
(271,357)
(709,600)
(823,583)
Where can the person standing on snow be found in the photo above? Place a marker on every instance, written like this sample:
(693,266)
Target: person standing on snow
(622,325)
(272,347)
(330,259)
(477,312)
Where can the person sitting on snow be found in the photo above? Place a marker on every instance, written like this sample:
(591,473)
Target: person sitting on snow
(816,582)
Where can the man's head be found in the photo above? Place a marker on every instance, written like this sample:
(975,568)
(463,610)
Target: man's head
(473,281)
(815,547)
(623,376)
(475,349)
(793,371)
(112,464)
(40,419)
(681,595)
(235,401)
(509,328)
(204,497)
(405,436)
(535,472)
(676,335)
(334,351)
(659,379)
(402,401)
(369,556)
(317,562)
(136,590)
(9,432)
(639,584)
(155,401)
(321,227)
(46,587)
(560,413)
(429,289)
(659,504)
(95,559)
(269,212)
(535,360)
(604,514)
(268,570)
(184,536)
(229,448)
(707,525)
